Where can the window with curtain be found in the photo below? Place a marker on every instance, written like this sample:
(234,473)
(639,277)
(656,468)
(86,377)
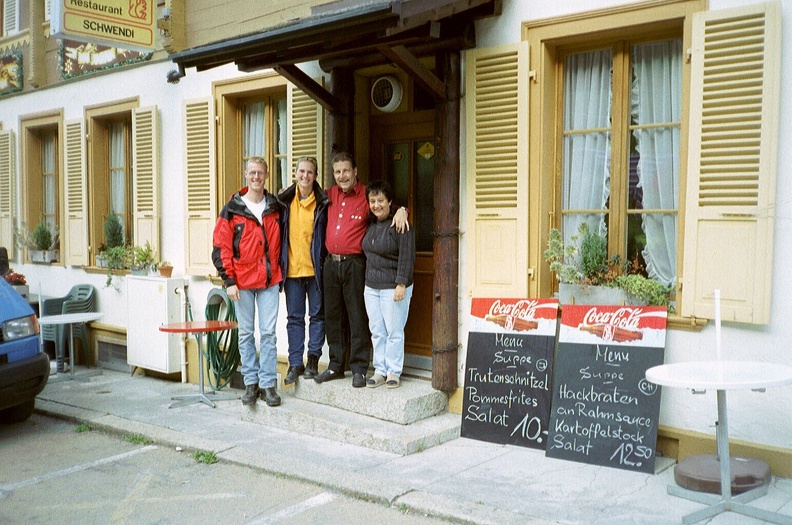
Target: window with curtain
(49,204)
(620,149)
(264,131)
(119,148)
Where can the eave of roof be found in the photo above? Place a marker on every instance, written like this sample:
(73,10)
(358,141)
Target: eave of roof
(309,30)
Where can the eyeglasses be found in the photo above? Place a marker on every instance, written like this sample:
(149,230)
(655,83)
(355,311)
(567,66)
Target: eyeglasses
(256,173)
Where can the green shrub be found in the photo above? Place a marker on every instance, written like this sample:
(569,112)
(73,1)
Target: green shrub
(113,231)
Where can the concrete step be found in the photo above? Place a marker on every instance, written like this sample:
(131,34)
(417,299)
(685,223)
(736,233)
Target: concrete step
(347,426)
(413,401)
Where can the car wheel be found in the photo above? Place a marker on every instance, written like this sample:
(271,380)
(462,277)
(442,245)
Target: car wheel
(17,413)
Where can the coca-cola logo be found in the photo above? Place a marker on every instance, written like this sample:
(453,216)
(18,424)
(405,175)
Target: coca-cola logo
(523,308)
(623,318)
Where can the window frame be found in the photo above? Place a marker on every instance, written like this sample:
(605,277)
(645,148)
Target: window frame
(230,97)
(31,129)
(653,20)
(98,174)
(618,210)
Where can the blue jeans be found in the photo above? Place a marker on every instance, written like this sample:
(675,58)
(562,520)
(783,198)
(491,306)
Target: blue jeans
(296,290)
(261,370)
(386,322)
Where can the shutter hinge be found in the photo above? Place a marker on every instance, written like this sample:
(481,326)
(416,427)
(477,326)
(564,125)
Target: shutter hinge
(531,273)
(533,76)
(688,56)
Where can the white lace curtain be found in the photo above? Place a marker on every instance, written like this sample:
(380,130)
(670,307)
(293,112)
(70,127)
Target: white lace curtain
(118,182)
(254,134)
(587,114)
(655,99)
(48,178)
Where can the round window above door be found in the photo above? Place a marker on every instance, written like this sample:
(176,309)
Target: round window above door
(386,93)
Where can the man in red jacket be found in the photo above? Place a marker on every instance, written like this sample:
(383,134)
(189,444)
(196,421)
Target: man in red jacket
(247,246)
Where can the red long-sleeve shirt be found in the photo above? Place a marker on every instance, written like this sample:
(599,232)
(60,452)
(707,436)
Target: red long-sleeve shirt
(347,220)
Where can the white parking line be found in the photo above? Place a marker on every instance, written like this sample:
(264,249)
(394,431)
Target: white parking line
(77,468)
(320,499)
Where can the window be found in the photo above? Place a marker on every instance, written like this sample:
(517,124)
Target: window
(110,175)
(40,151)
(119,173)
(619,149)
(49,179)
(264,135)
(10,15)
(122,177)
(259,115)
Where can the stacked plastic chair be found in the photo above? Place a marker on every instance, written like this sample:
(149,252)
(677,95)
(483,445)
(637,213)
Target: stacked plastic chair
(81,298)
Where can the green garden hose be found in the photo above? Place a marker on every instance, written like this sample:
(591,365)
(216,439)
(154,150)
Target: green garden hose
(222,348)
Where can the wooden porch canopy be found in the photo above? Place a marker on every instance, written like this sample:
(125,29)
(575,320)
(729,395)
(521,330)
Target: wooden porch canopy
(352,34)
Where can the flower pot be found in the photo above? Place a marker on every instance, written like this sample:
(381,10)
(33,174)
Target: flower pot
(137,270)
(587,294)
(166,271)
(44,256)
(22,289)
(101,261)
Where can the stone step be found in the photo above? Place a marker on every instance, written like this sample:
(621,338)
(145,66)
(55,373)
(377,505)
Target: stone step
(413,401)
(330,422)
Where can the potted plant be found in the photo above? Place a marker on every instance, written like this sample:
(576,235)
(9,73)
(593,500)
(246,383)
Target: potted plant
(17,282)
(113,231)
(587,276)
(165,268)
(101,256)
(118,258)
(143,259)
(41,244)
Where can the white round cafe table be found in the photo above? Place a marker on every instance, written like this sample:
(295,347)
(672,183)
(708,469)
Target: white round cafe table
(72,319)
(723,376)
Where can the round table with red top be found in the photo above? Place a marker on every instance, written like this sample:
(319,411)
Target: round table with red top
(199,328)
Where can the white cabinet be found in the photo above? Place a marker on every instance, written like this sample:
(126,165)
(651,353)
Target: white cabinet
(151,303)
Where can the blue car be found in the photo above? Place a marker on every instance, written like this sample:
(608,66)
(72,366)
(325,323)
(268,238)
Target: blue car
(24,368)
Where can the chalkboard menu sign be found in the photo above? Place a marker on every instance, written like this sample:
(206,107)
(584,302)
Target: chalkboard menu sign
(508,371)
(604,410)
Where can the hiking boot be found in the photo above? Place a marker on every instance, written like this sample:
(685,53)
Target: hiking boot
(312,368)
(250,395)
(270,396)
(293,373)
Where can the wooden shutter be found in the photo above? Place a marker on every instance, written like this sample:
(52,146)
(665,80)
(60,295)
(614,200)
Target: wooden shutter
(146,183)
(734,106)
(75,241)
(7,190)
(306,126)
(497,171)
(201,187)
(10,17)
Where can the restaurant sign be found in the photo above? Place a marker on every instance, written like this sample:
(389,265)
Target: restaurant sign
(128,24)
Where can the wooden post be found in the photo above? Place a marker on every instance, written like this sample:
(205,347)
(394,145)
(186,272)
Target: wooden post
(445,307)
(342,121)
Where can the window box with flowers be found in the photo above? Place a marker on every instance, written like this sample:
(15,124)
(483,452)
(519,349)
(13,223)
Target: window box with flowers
(17,282)
(42,244)
(587,276)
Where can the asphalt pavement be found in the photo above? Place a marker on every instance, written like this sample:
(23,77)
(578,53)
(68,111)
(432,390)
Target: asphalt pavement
(462,480)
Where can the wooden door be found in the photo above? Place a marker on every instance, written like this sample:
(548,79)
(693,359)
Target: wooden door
(403,153)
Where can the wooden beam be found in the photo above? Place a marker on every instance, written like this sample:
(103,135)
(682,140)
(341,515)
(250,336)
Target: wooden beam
(465,40)
(309,86)
(445,307)
(413,67)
